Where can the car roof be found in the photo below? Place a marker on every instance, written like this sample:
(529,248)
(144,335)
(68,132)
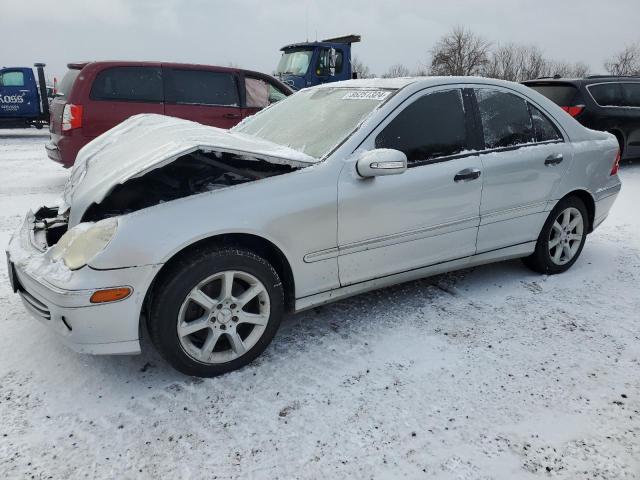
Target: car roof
(418,82)
(133,63)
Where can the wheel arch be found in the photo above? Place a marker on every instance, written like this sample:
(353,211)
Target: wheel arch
(589,203)
(257,244)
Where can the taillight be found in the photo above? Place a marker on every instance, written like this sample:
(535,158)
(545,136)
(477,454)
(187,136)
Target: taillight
(616,164)
(71,117)
(574,111)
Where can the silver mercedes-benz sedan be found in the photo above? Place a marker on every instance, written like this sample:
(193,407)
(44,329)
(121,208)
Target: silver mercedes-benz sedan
(208,237)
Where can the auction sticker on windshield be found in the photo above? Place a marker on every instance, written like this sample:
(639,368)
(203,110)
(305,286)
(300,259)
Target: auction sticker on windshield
(366,95)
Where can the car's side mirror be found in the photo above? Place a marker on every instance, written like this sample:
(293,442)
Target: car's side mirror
(381,161)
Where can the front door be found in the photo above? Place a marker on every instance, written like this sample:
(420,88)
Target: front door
(426,215)
(524,159)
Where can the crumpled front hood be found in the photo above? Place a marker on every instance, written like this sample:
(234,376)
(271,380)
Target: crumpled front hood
(148,141)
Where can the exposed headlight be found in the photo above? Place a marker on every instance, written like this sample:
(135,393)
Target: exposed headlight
(82,243)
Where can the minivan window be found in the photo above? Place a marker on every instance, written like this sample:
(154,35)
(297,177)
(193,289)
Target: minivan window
(545,131)
(64,89)
(202,87)
(133,84)
(607,94)
(12,79)
(631,94)
(432,126)
(505,118)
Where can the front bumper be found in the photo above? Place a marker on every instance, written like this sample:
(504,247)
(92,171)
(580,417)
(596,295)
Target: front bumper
(62,302)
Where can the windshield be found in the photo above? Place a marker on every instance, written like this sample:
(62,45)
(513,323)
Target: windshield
(294,62)
(314,121)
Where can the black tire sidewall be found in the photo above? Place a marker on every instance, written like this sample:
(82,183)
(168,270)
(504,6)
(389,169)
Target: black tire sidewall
(540,260)
(180,279)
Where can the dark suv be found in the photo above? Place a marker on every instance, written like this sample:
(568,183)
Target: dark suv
(96,96)
(600,102)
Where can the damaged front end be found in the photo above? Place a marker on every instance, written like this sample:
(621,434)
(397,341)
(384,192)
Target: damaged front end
(192,174)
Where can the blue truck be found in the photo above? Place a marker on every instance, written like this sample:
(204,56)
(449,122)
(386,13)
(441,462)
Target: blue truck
(311,63)
(23,100)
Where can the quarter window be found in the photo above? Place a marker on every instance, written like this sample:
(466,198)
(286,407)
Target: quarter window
(432,126)
(505,119)
(545,131)
(201,87)
(136,84)
(607,94)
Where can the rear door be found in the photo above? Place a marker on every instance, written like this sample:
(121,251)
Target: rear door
(206,96)
(524,158)
(120,92)
(18,93)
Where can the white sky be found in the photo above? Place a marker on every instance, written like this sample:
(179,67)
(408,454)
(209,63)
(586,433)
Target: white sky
(250,33)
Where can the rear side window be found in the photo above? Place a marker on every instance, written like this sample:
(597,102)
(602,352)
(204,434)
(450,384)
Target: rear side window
(64,89)
(505,118)
(565,95)
(545,130)
(12,79)
(432,126)
(607,94)
(631,94)
(133,84)
(202,87)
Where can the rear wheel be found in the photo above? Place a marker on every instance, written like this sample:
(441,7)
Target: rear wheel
(215,311)
(561,239)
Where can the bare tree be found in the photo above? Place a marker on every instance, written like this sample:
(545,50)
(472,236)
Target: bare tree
(397,70)
(460,52)
(626,62)
(525,62)
(357,65)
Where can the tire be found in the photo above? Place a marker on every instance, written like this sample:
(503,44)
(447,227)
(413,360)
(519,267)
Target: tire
(545,258)
(229,330)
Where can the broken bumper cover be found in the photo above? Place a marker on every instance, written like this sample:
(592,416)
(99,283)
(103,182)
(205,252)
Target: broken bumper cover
(65,306)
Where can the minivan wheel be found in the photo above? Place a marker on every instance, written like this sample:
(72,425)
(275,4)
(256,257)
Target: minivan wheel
(215,311)
(561,239)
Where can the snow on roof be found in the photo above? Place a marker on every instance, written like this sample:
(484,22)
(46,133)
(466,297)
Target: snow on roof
(401,82)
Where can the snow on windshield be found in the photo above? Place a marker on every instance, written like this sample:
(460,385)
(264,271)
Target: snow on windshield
(314,121)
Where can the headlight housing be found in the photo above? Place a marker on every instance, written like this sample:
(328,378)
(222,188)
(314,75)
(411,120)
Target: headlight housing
(82,243)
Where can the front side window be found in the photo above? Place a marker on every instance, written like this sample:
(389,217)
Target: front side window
(545,131)
(330,62)
(202,87)
(315,121)
(137,84)
(432,126)
(505,119)
(607,94)
(260,93)
(12,79)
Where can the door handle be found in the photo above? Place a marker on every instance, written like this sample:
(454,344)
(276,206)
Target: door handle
(553,159)
(467,175)
(232,115)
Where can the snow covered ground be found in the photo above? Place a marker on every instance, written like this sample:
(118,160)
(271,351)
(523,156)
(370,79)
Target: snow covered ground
(490,373)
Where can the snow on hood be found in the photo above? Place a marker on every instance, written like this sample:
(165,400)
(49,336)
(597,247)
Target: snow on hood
(149,141)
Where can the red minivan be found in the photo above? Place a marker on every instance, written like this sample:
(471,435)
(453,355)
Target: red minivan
(96,96)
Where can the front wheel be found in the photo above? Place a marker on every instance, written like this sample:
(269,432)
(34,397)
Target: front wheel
(215,311)
(561,239)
